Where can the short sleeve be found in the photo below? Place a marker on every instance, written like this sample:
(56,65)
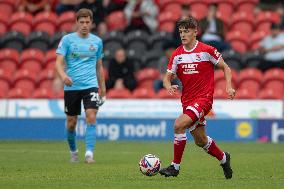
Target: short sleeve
(214,55)
(100,54)
(172,66)
(62,46)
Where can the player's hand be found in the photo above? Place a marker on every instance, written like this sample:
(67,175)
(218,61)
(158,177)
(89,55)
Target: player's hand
(231,93)
(67,81)
(101,100)
(172,89)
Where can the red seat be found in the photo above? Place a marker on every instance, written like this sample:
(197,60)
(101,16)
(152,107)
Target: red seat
(19,93)
(11,55)
(3,29)
(238,40)
(7,6)
(46,83)
(257,36)
(268,17)
(8,65)
(239,46)
(4,86)
(198,9)
(66,21)
(116,21)
(167,27)
(46,22)
(164,3)
(3,94)
(246,93)
(32,59)
(22,27)
(250,84)
(164,94)
(146,84)
(25,74)
(143,93)
(46,74)
(242,21)
(246,5)
(220,93)
(47,17)
(168,16)
(25,18)
(119,93)
(174,7)
(226,7)
(147,74)
(219,75)
(268,93)
(275,85)
(50,56)
(6,75)
(250,74)
(42,93)
(46,27)
(273,74)
(25,84)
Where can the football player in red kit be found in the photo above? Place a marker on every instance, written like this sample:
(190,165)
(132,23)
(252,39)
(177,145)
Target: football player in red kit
(193,63)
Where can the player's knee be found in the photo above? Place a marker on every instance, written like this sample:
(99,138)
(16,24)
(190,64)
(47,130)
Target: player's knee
(179,127)
(201,141)
(71,123)
(91,119)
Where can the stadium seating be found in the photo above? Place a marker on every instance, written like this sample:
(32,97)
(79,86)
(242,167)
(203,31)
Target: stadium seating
(21,31)
(66,21)
(137,40)
(42,93)
(116,21)
(32,59)
(14,40)
(39,40)
(19,93)
(9,59)
(46,22)
(164,94)
(7,6)
(118,93)
(267,93)
(143,93)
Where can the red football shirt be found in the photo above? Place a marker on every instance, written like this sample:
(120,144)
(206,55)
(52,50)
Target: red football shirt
(195,69)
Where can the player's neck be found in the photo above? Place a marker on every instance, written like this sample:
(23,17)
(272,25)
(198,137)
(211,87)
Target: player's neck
(190,46)
(83,35)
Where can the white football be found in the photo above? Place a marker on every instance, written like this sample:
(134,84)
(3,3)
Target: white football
(149,165)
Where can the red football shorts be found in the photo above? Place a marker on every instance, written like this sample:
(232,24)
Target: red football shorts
(197,110)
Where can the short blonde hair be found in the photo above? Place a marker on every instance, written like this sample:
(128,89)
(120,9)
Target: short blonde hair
(84,13)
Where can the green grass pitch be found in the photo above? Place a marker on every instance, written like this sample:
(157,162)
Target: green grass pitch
(45,165)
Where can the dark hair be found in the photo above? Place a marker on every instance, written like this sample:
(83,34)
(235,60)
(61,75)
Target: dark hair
(188,23)
(84,13)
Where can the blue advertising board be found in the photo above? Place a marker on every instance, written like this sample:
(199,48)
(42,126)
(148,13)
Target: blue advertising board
(123,129)
(271,130)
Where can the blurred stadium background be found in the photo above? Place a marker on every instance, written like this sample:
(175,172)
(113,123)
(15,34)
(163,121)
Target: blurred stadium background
(31,105)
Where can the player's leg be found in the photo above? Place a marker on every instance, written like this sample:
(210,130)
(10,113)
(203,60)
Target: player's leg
(72,103)
(209,145)
(181,124)
(71,137)
(90,138)
(90,97)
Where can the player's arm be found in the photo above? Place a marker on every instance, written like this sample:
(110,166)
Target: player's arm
(167,82)
(59,66)
(228,76)
(101,78)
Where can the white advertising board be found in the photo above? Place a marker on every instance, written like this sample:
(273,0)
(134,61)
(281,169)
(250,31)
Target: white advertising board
(143,109)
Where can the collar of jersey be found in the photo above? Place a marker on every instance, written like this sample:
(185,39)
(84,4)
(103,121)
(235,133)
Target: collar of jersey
(190,49)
